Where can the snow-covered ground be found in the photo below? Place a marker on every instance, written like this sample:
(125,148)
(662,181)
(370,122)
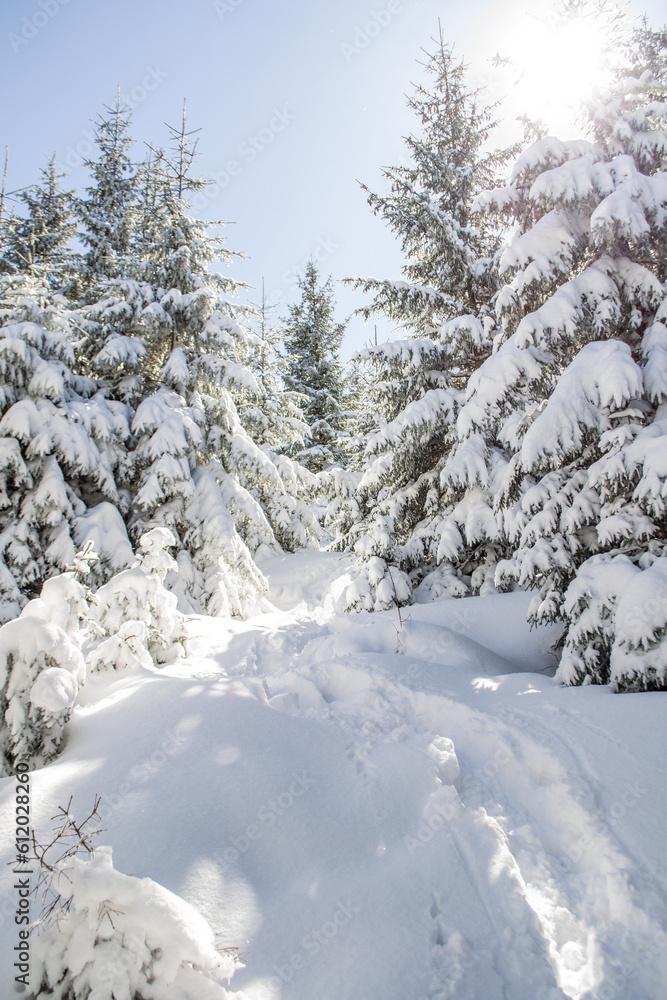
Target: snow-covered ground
(373,809)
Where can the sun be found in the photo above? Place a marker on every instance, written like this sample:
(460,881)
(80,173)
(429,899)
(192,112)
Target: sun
(553,62)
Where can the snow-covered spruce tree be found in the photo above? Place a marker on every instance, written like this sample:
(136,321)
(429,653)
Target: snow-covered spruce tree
(136,614)
(312,340)
(402,507)
(37,241)
(397,493)
(449,254)
(108,211)
(173,343)
(273,417)
(339,483)
(276,419)
(574,397)
(60,441)
(124,936)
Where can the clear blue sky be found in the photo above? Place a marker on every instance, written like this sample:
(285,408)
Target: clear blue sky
(304,97)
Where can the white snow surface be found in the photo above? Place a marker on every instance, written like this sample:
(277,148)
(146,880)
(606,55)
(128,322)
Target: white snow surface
(375,809)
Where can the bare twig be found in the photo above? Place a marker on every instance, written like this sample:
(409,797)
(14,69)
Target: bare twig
(71,837)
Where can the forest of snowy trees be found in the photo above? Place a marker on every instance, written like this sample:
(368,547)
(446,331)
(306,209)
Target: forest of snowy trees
(158,440)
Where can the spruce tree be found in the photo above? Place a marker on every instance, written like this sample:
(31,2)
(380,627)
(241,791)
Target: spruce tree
(173,343)
(449,253)
(446,307)
(61,444)
(38,241)
(312,339)
(275,417)
(573,398)
(107,213)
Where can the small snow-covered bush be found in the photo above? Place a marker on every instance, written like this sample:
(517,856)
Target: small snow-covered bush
(137,612)
(41,669)
(377,587)
(123,938)
(62,601)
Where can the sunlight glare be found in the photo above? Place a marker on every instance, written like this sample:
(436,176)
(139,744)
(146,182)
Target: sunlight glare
(554,65)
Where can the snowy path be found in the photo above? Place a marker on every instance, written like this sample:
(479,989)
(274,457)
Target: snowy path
(374,813)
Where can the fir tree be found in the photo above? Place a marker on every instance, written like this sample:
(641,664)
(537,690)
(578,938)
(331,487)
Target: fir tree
(108,211)
(312,343)
(274,419)
(573,399)
(389,519)
(37,242)
(449,253)
(61,441)
(275,416)
(172,342)
(448,303)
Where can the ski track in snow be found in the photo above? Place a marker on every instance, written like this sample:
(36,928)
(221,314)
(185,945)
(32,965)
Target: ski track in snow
(464,828)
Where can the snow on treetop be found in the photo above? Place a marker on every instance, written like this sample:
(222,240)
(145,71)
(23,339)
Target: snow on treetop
(155,941)
(104,526)
(62,602)
(28,642)
(121,350)
(575,182)
(591,296)
(436,406)
(550,152)
(54,691)
(602,377)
